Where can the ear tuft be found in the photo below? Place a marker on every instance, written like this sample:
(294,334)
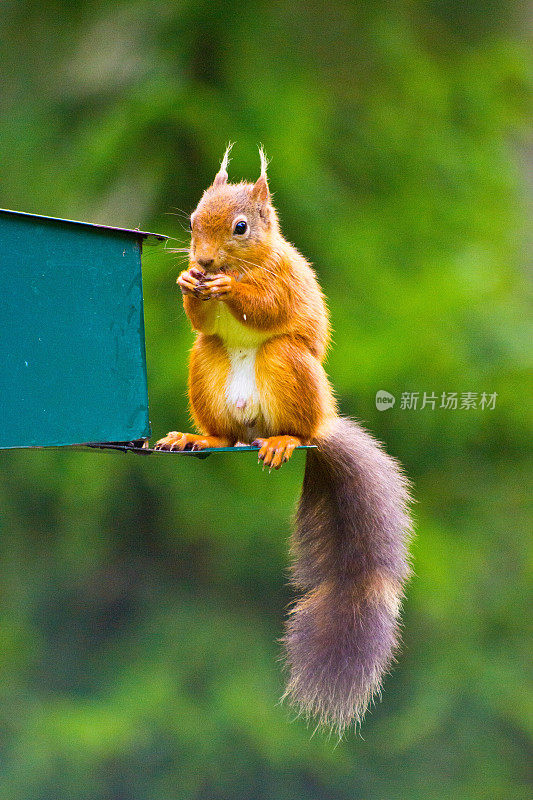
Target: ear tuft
(261,191)
(264,162)
(222,175)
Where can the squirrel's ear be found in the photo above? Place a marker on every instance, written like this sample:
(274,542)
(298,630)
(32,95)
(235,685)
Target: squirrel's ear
(261,191)
(222,175)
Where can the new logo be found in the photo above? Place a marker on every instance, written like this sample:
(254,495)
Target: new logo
(384,400)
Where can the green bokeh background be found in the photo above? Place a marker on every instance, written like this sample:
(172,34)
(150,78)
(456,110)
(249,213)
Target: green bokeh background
(142,598)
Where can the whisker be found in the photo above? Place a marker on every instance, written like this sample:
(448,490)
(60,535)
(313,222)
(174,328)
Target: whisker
(180,212)
(184,227)
(258,266)
(247,271)
(178,249)
(252,264)
(174,239)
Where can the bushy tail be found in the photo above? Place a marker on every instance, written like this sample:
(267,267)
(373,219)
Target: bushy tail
(350,560)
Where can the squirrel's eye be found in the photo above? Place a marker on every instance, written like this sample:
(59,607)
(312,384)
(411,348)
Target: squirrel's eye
(190,224)
(240,228)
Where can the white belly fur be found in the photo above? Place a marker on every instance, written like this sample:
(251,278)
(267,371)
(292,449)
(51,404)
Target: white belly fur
(242,396)
(242,344)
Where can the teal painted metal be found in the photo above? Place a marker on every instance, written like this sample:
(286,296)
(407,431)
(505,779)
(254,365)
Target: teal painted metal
(132,447)
(72,352)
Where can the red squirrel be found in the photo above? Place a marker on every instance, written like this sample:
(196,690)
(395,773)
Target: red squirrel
(256,377)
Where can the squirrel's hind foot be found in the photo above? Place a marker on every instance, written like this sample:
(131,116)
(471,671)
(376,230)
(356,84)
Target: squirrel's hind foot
(276,450)
(189,441)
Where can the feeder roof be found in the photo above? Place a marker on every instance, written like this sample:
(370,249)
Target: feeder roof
(151,238)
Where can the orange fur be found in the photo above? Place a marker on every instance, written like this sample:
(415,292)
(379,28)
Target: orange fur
(208,371)
(283,368)
(200,313)
(272,295)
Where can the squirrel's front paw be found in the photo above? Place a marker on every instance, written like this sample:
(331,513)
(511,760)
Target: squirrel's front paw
(191,281)
(218,286)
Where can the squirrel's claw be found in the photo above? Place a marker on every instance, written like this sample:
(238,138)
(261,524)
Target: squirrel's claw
(189,441)
(275,450)
(219,285)
(171,441)
(177,441)
(191,281)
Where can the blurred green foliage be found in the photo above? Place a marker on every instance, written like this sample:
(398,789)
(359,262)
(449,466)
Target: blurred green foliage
(141,598)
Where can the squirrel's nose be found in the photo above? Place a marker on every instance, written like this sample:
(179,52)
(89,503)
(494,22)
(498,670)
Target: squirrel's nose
(205,262)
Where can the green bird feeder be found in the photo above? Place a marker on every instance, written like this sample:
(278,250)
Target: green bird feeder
(72,353)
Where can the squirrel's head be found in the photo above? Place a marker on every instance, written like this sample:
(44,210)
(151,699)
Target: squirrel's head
(233,222)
